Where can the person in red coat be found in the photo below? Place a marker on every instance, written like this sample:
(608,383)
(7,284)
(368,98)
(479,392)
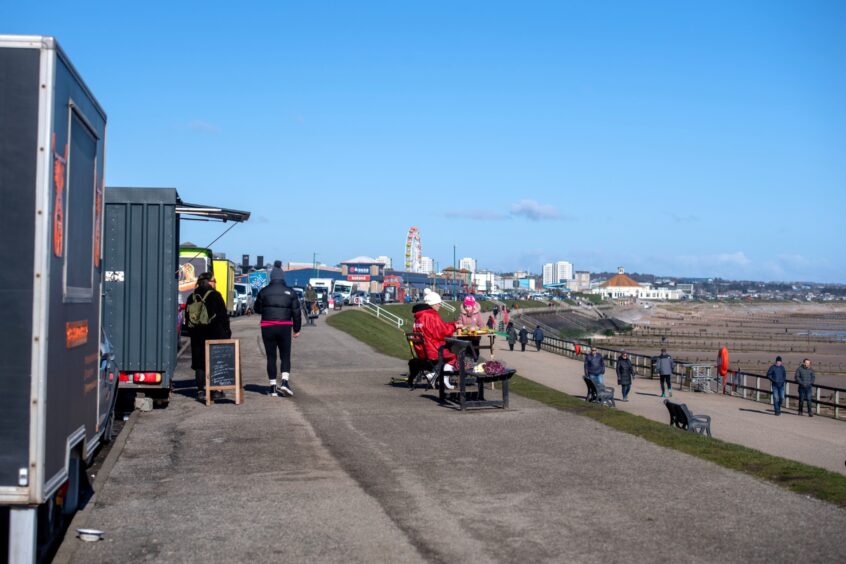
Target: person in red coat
(435,330)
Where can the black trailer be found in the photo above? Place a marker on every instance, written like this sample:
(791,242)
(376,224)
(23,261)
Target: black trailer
(141,260)
(54,402)
(141,257)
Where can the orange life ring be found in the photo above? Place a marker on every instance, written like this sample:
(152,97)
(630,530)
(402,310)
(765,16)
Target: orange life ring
(723,361)
(578,348)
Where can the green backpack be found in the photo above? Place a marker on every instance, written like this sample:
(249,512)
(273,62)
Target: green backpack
(198,314)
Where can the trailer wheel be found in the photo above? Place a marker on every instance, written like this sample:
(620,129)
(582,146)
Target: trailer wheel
(161,398)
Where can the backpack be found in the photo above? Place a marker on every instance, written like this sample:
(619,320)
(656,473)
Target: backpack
(197,313)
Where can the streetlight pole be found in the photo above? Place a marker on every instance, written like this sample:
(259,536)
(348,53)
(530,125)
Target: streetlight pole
(314,265)
(454,288)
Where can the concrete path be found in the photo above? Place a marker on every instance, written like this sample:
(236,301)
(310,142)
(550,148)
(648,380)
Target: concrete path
(819,441)
(353,469)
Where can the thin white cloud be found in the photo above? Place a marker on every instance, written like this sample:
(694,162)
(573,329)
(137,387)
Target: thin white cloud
(534,211)
(528,209)
(203,126)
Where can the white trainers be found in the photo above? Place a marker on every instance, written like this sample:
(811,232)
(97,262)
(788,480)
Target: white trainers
(285,388)
(430,377)
(447,383)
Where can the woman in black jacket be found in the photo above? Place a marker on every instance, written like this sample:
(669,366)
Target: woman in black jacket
(217,327)
(625,374)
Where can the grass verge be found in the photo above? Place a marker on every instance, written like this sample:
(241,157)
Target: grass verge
(795,476)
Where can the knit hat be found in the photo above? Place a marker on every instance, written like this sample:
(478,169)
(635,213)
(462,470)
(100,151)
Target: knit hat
(469,300)
(277,274)
(778,359)
(432,298)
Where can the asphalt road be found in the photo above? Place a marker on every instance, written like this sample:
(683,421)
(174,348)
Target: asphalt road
(353,469)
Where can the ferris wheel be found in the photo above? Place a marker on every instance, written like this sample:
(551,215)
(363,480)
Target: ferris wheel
(413,251)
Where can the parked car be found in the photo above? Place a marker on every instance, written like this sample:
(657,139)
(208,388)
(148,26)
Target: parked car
(359,297)
(244,298)
(376,298)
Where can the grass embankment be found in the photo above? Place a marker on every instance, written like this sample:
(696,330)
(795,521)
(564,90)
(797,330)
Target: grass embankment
(795,476)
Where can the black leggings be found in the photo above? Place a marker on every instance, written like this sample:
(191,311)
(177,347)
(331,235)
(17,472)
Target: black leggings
(666,379)
(277,337)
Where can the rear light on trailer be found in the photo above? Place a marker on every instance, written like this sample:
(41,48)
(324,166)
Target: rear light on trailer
(147,378)
(123,377)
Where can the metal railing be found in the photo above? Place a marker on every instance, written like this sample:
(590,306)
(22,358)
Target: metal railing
(828,400)
(383,314)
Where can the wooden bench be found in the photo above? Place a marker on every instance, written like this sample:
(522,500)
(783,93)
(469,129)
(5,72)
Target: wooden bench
(597,393)
(681,417)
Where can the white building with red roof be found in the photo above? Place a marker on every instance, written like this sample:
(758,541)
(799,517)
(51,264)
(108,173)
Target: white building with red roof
(621,286)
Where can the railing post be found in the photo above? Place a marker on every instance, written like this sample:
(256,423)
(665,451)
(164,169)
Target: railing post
(744,386)
(837,404)
(757,388)
(818,401)
(787,395)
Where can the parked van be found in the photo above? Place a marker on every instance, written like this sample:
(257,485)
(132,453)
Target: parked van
(244,298)
(345,289)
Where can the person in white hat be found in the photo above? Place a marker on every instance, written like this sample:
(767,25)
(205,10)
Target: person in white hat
(428,321)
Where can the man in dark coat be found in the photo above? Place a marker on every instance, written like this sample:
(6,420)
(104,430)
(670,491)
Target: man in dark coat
(664,367)
(625,374)
(217,328)
(537,335)
(524,338)
(805,378)
(777,377)
(280,320)
(595,366)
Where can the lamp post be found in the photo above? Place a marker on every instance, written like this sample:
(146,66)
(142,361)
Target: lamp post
(314,265)
(454,288)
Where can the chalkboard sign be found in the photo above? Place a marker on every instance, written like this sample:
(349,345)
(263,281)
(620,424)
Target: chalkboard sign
(223,367)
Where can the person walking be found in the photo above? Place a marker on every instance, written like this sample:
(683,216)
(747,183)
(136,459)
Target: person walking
(625,374)
(281,319)
(524,338)
(595,366)
(490,322)
(805,378)
(511,335)
(537,335)
(207,319)
(310,298)
(777,377)
(664,366)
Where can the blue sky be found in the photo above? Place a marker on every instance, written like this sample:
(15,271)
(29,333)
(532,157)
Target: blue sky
(677,138)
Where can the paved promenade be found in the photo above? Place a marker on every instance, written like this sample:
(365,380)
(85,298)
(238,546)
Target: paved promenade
(355,470)
(819,441)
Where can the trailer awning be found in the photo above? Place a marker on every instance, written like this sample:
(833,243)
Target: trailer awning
(211,212)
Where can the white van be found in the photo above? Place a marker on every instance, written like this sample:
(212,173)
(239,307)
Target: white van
(322,283)
(345,289)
